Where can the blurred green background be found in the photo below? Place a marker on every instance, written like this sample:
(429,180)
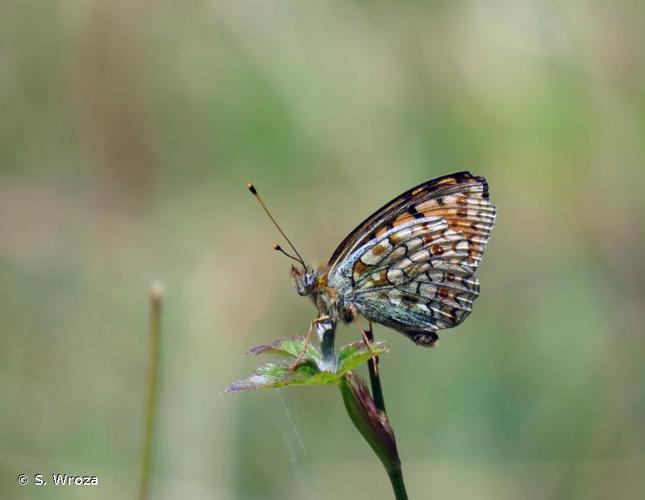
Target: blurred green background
(127,134)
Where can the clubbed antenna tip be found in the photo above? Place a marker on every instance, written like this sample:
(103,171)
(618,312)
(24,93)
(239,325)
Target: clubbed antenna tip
(278,248)
(298,257)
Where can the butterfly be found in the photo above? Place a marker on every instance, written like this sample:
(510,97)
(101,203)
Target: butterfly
(409,266)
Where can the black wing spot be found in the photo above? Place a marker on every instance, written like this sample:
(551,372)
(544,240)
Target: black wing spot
(414,212)
(425,339)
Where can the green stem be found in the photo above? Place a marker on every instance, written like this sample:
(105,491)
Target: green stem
(151,389)
(396,478)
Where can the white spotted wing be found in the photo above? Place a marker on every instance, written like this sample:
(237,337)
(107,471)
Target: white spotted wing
(411,265)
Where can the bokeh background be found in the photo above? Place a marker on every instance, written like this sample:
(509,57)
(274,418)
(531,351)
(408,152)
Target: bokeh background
(128,131)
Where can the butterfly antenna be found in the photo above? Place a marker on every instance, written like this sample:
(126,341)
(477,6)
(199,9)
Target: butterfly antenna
(255,194)
(278,248)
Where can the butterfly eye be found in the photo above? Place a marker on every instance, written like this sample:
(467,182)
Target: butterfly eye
(310,278)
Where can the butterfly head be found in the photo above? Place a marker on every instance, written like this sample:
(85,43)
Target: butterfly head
(304,280)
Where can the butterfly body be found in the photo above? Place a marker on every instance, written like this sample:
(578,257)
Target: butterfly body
(409,266)
(328,301)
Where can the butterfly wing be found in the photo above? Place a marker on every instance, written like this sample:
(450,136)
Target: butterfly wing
(411,264)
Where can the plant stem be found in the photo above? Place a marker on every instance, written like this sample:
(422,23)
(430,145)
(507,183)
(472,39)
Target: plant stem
(156,293)
(327,347)
(396,475)
(396,478)
(375,427)
(375,377)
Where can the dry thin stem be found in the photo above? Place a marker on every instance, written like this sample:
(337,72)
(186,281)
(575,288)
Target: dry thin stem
(156,294)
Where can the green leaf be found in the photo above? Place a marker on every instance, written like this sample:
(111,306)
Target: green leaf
(275,375)
(357,353)
(312,370)
(289,347)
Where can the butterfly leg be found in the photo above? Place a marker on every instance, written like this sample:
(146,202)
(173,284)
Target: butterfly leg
(367,335)
(302,352)
(372,364)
